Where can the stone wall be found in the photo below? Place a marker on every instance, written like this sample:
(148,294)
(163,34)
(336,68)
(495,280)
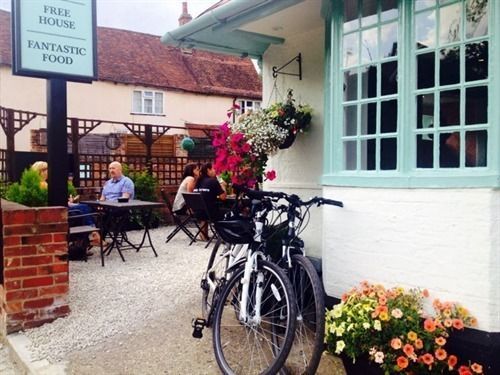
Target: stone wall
(35,282)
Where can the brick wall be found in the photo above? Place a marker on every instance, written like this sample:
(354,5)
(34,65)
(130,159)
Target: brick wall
(35,270)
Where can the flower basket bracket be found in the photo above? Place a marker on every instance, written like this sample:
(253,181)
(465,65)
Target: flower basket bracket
(298,59)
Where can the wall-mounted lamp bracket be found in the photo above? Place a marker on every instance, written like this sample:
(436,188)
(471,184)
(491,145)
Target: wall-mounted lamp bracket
(298,59)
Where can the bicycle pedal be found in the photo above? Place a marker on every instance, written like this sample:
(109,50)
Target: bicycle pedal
(198,325)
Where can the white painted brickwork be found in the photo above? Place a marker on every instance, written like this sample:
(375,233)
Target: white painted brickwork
(445,240)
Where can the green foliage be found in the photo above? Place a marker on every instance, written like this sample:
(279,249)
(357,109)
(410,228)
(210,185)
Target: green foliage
(146,188)
(28,192)
(71,189)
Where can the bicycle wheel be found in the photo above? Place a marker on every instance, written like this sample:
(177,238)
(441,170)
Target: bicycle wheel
(305,355)
(249,347)
(215,274)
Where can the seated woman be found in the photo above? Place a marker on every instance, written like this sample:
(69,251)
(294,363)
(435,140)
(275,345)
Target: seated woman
(42,168)
(191,173)
(211,188)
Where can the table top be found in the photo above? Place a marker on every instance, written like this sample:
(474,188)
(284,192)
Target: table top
(134,203)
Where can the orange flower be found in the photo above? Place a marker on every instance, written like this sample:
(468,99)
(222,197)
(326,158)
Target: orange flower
(448,322)
(425,293)
(384,316)
(429,325)
(452,362)
(477,368)
(440,340)
(412,336)
(396,343)
(402,362)
(473,322)
(441,354)
(408,350)
(428,359)
(464,370)
(382,300)
(419,344)
(458,324)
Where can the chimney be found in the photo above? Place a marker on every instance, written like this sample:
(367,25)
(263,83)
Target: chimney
(185,16)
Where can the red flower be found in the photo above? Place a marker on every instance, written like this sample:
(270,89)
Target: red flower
(270,175)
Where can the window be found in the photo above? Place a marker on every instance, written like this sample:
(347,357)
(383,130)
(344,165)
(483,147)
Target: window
(147,102)
(85,171)
(410,101)
(247,105)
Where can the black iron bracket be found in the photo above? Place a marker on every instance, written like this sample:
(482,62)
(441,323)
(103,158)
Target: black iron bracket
(298,59)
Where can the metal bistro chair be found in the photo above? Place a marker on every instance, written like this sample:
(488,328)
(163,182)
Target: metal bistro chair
(196,203)
(182,221)
(79,230)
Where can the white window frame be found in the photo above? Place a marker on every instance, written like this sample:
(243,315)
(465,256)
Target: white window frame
(157,102)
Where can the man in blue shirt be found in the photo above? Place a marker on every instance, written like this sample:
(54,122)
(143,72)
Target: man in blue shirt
(119,186)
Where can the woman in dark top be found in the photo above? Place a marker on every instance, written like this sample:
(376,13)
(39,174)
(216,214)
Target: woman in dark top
(211,189)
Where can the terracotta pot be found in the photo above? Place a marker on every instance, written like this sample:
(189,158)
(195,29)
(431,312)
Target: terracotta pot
(290,138)
(362,366)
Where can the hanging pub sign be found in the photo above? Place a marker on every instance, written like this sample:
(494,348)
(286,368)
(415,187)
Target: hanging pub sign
(55,39)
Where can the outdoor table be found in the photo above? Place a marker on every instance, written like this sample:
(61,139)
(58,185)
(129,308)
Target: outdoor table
(117,215)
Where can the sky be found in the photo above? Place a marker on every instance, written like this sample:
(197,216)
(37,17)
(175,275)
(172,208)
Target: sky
(148,16)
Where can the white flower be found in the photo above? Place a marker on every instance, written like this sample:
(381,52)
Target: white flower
(337,311)
(340,331)
(366,325)
(377,325)
(397,313)
(339,347)
(379,357)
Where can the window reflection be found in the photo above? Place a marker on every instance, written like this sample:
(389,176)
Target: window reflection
(351,21)
(476,105)
(476,61)
(368,152)
(425,111)
(476,143)
(449,106)
(389,84)
(369,46)
(425,70)
(389,116)
(449,70)
(389,40)
(423,4)
(450,21)
(389,10)
(368,118)
(368,12)
(350,155)
(369,81)
(449,150)
(425,151)
(388,153)
(351,49)
(350,85)
(425,29)
(350,120)
(476,18)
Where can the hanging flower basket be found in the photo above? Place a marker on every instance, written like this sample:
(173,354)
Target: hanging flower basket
(290,138)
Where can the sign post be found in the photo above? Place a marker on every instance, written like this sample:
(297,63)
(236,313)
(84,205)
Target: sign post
(56,40)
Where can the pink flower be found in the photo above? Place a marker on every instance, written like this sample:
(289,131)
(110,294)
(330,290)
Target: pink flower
(270,175)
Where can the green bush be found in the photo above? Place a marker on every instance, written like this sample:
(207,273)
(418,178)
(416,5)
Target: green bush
(146,188)
(28,192)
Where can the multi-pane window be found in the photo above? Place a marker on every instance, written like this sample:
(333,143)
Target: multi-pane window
(370,85)
(147,102)
(412,99)
(247,105)
(451,87)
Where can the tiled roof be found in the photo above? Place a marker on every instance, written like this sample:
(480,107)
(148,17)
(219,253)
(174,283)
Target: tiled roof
(140,59)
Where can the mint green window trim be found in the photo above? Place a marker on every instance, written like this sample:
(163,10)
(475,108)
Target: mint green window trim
(406,173)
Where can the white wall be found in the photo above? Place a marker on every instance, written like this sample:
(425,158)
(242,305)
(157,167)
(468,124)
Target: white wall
(299,168)
(105,101)
(445,240)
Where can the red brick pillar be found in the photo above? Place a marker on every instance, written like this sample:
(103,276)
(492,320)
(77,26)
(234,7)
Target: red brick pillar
(35,270)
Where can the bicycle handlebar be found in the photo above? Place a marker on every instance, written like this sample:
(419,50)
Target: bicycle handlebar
(292,199)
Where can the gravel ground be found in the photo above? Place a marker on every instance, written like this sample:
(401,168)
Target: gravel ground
(134,317)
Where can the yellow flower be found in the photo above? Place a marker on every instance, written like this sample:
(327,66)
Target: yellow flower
(384,316)
(412,336)
(340,331)
(377,325)
(337,311)
(339,347)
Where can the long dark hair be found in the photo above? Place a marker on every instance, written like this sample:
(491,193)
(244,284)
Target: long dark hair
(204,170)
(189,170)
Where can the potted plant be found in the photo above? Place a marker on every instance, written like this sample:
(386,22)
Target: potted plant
(290,117)
(390,329)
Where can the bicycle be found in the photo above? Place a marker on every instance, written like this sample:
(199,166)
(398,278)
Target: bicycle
(305,354)
(253,305)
